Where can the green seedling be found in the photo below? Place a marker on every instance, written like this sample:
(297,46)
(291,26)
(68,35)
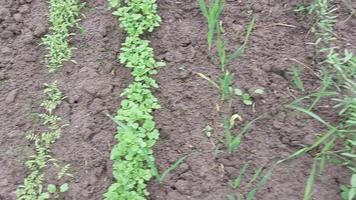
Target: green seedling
(258,175)
(225,85)
(132,156)
(212,13)
(260,184)
(154,170)
(233,142)
(32,187)
(237,182)
(54,192)
(245,97)
(297,81)
(309,186)
(208,130)
(63,15)
(349,192)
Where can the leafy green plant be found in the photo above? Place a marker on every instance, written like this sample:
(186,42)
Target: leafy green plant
(208,130)
(245,97)
(32,187)
(63,15)
(136,133)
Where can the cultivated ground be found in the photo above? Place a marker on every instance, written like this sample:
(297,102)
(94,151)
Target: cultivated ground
(189,103)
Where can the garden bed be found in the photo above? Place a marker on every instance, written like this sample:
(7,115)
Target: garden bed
(93,84)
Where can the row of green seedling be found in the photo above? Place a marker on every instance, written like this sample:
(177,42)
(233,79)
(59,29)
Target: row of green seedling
(228,92)
(136,129)
(63,15)
(337,144)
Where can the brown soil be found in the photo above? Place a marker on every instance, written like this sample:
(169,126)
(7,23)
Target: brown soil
(188,102)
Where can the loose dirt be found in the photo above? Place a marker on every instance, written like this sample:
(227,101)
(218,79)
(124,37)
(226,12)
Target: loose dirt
(189,103)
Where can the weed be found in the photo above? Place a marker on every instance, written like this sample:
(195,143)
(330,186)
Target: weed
(233,142)
(259,174)
(154,170)
(342,132)
(297,81)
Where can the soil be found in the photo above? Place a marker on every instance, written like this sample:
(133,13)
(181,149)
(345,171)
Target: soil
(92,87)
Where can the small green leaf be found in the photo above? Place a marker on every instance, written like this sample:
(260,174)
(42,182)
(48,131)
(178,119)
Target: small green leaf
(64,187)
(259,91)
(51,188)
(238,92)
(248,102)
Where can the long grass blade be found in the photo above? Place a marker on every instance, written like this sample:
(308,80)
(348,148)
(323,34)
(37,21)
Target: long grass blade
(309,187)
(171,168)
(203,8)
(311,114)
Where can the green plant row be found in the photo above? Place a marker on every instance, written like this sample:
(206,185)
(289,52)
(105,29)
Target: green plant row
(136,132)
(63,15)
(32,188)
(338,144)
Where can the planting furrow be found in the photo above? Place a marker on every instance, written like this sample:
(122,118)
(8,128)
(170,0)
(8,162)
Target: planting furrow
(136,131)
(63,15)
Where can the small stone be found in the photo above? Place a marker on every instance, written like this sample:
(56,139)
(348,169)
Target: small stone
(97,106)
(29,57)
(257,7)
(4,182)
(18,17)
(40,30)
(24,9)
(11,96)
(4,13)
(6,51)
(28,1)
(277,124)
(2,76)
(28,38)
(174,195)
(182,186)
(257,92)
(6,34)
(267,67)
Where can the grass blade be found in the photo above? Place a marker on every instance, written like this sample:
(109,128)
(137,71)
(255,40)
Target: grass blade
(171,168)
(237,181)
(209,80)
(311,114)
(203,8)
(239,51)
(309,187)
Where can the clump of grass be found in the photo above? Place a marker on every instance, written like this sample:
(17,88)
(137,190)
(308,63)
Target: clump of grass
(338,143)
(259,178)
